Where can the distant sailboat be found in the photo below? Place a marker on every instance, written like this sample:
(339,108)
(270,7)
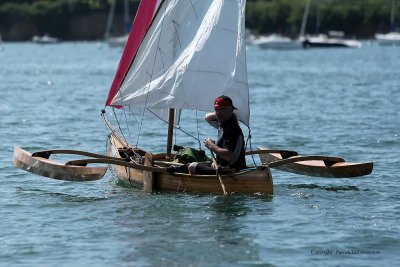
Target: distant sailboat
(393,37)
(276,41)
(118,41)
(332,39)
(388,39)
(45,39)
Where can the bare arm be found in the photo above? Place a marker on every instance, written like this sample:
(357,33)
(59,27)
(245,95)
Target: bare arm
(223,153)
(220,152)
(211,118)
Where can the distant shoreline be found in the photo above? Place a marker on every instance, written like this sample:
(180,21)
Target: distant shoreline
(78,20)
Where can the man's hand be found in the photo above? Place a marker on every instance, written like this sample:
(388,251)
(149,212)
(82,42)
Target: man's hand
(209,143)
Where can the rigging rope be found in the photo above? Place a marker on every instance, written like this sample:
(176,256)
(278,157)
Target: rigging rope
(136,156)
(251,149)
(119,125)
(198,132)
(178,128)
(127,126)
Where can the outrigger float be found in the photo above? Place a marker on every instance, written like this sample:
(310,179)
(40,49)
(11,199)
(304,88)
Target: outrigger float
(181,55)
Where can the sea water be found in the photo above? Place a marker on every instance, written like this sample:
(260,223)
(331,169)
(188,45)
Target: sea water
(338,102)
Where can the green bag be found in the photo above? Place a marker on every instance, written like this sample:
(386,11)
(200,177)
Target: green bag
(187,155)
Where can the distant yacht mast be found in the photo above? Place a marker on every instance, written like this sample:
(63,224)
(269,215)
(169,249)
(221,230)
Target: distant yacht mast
(392,24)
(127,22)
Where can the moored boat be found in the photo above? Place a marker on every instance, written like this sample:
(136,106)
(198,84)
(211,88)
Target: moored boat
(45,39)
(326,41)
(275,41)
(388,39)
(391,38)
(117,41)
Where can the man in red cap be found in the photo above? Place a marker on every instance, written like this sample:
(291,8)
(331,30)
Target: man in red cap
(229,149)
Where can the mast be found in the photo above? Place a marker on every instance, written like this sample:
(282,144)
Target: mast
(110,19)
(317,26)
(126,17)
(170,132)
(304,21)
(392,26)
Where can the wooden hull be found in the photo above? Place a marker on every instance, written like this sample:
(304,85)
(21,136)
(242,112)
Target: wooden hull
(248,181)
(319,168)
(53,169)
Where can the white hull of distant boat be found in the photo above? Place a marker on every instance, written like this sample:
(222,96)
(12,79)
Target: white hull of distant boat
(388,39)
(322,40)
(117,41)
(275,41)
(45,39)
(393,37)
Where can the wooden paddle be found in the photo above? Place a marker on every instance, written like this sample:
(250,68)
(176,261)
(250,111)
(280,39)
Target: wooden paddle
(218,173)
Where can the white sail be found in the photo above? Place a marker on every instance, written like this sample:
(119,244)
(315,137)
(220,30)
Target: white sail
(193,52)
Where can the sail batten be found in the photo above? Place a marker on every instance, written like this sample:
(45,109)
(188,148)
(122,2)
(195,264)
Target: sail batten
(192,52)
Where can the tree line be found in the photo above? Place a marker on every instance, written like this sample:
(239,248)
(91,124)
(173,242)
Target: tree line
(361,18)
(19,19)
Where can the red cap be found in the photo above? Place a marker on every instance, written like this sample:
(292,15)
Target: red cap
(223,101)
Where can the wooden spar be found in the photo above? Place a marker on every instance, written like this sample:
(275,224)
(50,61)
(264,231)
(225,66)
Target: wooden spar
(170,133)
(47,153)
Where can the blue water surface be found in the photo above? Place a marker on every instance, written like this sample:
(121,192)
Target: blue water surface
(340,102)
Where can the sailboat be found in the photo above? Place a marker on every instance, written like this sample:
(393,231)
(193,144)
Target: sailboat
(332,39)
(180,55)
(391,38)
(279,42)
(190,53)
(118,41)
(276,41)
(45,39)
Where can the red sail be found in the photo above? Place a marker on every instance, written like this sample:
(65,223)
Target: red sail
(142,20)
